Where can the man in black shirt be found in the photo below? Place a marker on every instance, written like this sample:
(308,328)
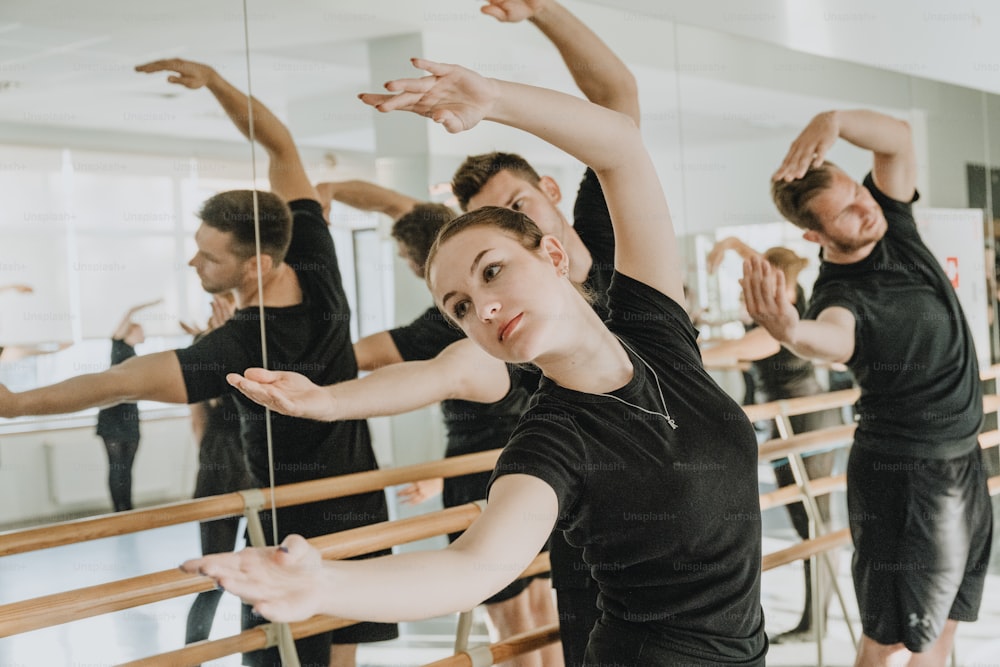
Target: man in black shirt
(918,505)
(307,316)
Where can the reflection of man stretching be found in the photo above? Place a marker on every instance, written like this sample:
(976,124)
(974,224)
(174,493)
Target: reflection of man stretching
(307,330)
(918,504)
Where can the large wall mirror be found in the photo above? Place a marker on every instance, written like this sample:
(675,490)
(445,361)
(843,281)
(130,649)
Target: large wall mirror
(102,169)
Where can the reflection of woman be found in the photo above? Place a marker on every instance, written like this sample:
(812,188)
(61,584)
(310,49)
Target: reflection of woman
(118,425)
(628,447)
(783,375)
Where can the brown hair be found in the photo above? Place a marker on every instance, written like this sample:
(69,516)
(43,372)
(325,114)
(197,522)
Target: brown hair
(417,229)
(473,174)
(787,262)
(233,212)
(792,197)
(512,223)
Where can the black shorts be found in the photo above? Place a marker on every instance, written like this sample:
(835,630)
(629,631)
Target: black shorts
(616,643)
(922,530)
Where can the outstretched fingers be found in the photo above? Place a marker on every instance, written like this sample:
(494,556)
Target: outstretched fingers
(157,66)
(278,582)
(256,387)
(452,96)
(754,283)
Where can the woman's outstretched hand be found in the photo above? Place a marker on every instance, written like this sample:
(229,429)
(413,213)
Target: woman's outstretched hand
(450,95)
(282,584)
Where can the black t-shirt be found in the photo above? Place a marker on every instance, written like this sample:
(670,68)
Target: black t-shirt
(119,422)
(472,427)
(592,223)
(914,357)
(783,374)
(312,338)
(666,508)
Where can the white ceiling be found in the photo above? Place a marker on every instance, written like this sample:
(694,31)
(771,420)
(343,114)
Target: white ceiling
(66,67)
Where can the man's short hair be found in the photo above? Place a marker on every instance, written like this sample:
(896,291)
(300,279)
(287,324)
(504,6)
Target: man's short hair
(792,197)
(474,173)
(233,212)
(417,229)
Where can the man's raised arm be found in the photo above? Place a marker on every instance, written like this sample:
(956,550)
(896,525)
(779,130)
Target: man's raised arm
(366,196)
(888,138)
(285,170)
(598,72)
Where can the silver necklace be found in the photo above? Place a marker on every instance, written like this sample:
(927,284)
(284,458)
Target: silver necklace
(665,414)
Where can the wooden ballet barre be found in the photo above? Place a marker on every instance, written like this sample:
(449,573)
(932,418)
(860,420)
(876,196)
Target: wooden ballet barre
(844,397)
(255,638)
(797,406)
(806,549)
(502,650)
(799,443)
(990,372)
(989,439)
(840,538)
(80,603)
(787,495)
(215,507)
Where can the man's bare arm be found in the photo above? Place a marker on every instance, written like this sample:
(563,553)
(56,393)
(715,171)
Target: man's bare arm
(366,196)
(376,351)
(830,337)
(285,169)
(152,377)
(888,138)
(599,73)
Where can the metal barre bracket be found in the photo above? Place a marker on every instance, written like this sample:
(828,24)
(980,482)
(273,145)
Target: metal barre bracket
(481,656)
(253,502)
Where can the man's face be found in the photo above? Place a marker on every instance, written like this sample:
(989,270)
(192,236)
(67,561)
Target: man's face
(537,201)
(218,267)
(850,217)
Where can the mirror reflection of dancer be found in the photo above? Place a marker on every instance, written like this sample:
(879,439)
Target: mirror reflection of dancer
(918,505)
(307,316)
(783,375)
(629,446)
(222,468)
(118,425)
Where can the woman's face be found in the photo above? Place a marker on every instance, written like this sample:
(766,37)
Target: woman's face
(509,300)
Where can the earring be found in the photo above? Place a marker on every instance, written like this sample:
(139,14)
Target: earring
(565,271)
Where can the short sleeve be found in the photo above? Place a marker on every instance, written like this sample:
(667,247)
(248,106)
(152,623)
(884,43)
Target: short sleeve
(311,239)
(205,364)
(898,214)
(546,444)
(425,337)
(646,315)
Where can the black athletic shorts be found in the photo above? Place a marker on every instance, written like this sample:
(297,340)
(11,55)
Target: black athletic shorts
(922,530)
(616,643)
